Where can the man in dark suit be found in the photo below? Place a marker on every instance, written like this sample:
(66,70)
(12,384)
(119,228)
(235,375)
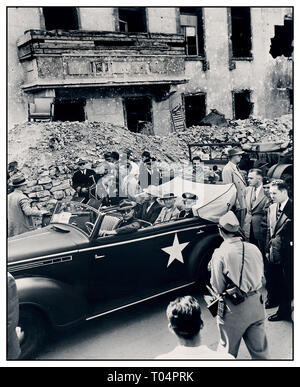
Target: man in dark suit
(83,179)
(280,245)
(150,208)
(256,205)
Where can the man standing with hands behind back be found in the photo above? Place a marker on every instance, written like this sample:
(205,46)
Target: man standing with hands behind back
(256,203)
(232,174)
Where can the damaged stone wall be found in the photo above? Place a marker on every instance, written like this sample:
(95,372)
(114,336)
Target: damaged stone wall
(47,152)
(19,19)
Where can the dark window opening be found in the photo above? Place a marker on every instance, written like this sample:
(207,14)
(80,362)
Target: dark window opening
(241,32)
(282,43)
(69,110)
(132,19)
(242,104)
(138,114)
(61,18)
(195,109)
(191,22)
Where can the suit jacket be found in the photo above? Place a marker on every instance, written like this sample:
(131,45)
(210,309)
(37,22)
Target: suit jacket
(280,233)
(80,180)
(13,345)
(256,212)
(152,214)
(19,213)
(231,175)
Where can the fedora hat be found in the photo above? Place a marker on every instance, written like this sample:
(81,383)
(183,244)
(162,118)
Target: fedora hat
(81,162)
(168,196)
(234,151)
(126,205)
(18,181)
(189,196)
(229,222)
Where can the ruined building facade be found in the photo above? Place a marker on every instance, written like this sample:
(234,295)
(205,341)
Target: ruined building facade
(153,70)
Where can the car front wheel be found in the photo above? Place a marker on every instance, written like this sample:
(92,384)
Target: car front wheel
(32,329)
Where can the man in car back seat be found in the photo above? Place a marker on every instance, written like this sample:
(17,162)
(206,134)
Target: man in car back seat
(129,223)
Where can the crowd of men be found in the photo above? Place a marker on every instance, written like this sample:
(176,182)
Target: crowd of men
(256,250)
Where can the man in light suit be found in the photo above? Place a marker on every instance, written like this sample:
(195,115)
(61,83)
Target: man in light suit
(232,174)
(280,244)
(256,205)
(19,209)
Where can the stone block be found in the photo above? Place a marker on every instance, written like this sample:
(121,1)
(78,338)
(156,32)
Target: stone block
(44,173)
(37,188)
(31,183)
(59,195)
(45,180)
(32,195)
(42,194)
(47,186)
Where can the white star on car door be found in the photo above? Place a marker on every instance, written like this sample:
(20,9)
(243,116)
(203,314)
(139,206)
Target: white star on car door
(175,251)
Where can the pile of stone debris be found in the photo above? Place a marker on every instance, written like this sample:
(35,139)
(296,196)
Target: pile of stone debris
(47,152)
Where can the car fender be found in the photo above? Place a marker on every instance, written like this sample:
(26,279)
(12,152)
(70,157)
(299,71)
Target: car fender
(198,259)
(58,301)
(277,170)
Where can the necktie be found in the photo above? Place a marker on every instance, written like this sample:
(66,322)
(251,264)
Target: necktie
(278,212)
(253,198)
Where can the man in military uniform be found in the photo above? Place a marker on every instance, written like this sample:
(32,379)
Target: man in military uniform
(232,174)
(239,265)
(129,224)
(189,200)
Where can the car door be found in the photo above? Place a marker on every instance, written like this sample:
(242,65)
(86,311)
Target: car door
(132,267)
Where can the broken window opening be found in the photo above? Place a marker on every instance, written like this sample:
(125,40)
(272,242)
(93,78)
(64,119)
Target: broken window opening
(132,19)
(61,18)
(138,113)
(191,22)
(195,109)
(69,110)
(241,32)
(282,43)
(242,104)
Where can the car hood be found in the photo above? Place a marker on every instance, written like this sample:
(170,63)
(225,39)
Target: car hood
(45,241)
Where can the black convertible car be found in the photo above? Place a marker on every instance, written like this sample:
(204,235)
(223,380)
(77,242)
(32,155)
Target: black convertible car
(67,272)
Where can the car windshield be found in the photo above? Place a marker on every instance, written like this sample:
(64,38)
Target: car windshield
(76,214)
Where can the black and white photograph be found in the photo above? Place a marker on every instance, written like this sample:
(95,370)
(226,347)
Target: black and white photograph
(149,185)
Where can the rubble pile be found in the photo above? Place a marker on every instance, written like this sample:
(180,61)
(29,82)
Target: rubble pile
(47,152)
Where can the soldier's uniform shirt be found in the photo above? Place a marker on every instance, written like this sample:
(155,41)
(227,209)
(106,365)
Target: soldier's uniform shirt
(227,262)
(245,320)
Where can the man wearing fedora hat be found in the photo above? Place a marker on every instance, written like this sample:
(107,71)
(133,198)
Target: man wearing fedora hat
(169,210)
(232,174)
(237,268)
(83,179)
(19,209)
(148,207)
(129,223)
